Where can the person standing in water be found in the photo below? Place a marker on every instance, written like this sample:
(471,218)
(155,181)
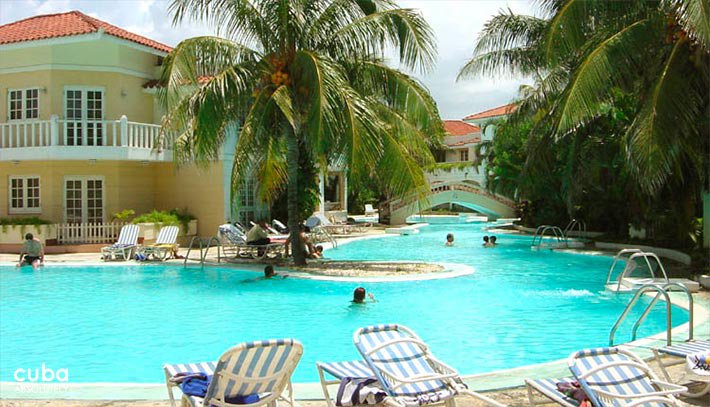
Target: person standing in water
(360,294)
(449,239)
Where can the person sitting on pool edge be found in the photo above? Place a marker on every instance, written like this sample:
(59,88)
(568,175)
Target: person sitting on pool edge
(359,296)
(31,253)
(449,239)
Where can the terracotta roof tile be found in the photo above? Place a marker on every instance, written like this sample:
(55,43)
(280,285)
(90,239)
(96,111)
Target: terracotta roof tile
(65,25)
(459,143)
(496,111)
(459,128)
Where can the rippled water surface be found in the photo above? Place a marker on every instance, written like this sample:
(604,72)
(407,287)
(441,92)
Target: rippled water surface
(120,324)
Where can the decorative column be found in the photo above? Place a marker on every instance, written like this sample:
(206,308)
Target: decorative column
(54,130)
(123,133)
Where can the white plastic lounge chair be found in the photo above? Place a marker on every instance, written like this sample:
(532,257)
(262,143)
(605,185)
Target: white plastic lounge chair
(618,377)
(279,226)
(677,354)
(124,247)
(407,371)
(261,367)
(369,210)
(165,244)
(548,388)
(234,244)
(340,370)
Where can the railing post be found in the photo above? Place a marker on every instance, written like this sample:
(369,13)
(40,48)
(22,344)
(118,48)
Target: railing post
(54,130)
(124,131)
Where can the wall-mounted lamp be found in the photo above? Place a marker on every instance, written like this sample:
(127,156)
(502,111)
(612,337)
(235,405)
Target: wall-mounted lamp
(124,93)
(43,89)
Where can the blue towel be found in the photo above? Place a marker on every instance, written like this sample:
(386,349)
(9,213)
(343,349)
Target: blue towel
(196,384)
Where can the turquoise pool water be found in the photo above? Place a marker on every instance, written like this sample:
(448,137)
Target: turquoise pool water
(121,323)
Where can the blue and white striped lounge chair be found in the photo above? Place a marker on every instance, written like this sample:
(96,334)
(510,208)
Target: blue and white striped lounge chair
(165,243)
(233,241)
(407,371)
(260,367)
(548,388)
(676,354)
(340,370)
(618,377)
(124,247)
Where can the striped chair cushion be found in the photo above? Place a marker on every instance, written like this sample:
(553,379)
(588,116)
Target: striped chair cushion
(203,367)
(341,370)
(167,235)
(684,349)
(268,360)
(401,359)
(128,235)
(621,380)
(548,387)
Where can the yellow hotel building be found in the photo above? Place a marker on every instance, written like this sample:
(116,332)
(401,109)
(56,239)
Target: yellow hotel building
(80,135)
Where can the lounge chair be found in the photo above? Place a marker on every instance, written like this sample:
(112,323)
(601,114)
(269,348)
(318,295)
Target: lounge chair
(165,244)
(339,371)
(234,244)
(251,368)
(369,210)
(407,371)
(548,388)
(618,377)
(279,226)
(677,354)
(124,247)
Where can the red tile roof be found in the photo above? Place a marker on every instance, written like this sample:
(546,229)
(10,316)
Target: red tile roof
(459,128)
(65,25)
(472,140)
(496,111)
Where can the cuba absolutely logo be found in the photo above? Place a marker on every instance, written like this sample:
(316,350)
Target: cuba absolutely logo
(42,374)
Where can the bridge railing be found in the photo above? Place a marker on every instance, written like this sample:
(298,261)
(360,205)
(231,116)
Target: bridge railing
(436,188)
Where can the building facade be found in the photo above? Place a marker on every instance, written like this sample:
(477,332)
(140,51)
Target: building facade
(80,134)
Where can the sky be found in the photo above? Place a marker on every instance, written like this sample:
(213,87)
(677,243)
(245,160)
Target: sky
(456,24)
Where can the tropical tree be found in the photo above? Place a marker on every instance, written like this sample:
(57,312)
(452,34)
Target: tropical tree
(303,77)
(581,54)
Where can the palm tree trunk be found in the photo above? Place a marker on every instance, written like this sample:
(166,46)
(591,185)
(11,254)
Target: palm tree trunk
(294,226)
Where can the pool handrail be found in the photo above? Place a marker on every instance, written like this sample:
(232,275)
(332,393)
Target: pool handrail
(540,235)
(645,256)
(618,257)
(579,223)
(661,290)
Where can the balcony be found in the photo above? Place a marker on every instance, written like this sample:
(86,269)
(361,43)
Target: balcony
(456,171)
(60,139)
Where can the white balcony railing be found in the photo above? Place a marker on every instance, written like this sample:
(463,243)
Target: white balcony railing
(91,133)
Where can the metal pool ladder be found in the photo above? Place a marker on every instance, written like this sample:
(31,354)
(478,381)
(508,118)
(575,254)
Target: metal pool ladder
(661,291)
(204,250)
(634,254)
(557,233)
(578,224)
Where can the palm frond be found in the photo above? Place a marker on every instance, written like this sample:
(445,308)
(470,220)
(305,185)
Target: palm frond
(662,140)
(615,61)
(694,17)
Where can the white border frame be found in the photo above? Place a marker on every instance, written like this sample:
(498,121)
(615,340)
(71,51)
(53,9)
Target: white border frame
(25,210)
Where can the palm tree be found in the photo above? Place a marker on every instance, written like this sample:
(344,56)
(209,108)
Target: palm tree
(303,77)
(582,52)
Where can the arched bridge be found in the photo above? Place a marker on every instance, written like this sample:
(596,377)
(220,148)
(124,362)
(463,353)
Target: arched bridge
(465,193)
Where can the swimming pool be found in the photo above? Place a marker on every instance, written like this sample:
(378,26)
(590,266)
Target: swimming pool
(121,323)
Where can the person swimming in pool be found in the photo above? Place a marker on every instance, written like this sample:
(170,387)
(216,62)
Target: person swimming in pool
(493,241)
(449,239)
(487,241)
(360,294)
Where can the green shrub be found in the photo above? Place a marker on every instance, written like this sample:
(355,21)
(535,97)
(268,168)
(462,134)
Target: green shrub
(23,223)
(171,217)
(124,216)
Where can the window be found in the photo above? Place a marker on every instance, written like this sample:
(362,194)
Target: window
(24,194)
(463,155)
(83,110)
(23,104)
(84,199)
(246,193)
